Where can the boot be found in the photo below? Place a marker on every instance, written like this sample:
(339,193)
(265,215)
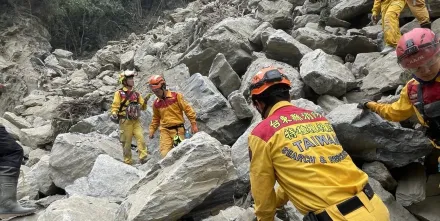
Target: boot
(426,25)
(9,206)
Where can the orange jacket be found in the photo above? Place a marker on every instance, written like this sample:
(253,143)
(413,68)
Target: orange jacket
(119,97)
(168,112)
(299,149)
(404,108)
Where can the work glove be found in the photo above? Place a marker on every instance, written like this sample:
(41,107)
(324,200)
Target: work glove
(363,105)
(114,118)
(151,136)
(374,18)
(194,128)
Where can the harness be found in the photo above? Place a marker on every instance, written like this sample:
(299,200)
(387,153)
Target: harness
(430,114)
(132,110)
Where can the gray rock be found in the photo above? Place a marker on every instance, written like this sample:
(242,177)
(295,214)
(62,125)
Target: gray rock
(229,37)
(362,61)
(35,156)
(108,178)
(13,130)
(233,213)
(411,187)
(308,105)
(379,172)
(214,114)
(80,208)
(256,34)
(100,124)
(37,137)
(239,105)
(108,56)
(60,53)
(349,9)
(283,47)
(397,211)
(372,31)
(200,168)
(384,74)
(301,21)
(333,44)
(223,76)
(127,60)
(427,209)
(73,155)
(325,75)
(328,103)
(277,13)
(409,26)
(176,76)
(19,122)
(366,136)
(40,176)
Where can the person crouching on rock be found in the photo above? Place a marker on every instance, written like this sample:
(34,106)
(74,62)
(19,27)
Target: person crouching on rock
(168,111)
(287,146)
(11,157)
(125,110)
(390,10)
(418,52)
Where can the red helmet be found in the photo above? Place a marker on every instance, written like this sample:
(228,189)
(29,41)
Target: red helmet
(267,77)
(416,47)
(156,81)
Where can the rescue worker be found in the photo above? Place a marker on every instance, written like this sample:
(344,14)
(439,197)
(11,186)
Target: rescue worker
(420,11)
(167,113)
(418,52)
(390,10)
(125,110)
(11,157)
(299,149)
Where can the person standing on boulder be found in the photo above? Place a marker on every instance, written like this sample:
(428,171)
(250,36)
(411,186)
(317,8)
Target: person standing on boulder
(125,110)
(299,149)
(390,10)
(11,157)
(168,111)
(418,52)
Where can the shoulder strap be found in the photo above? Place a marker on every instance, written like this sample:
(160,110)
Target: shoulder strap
(125,101)
(420,104)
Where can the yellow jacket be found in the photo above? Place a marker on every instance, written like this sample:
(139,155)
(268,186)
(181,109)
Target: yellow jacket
(119,97)
(168,112)
(299,149)
(404,107)
(377,6)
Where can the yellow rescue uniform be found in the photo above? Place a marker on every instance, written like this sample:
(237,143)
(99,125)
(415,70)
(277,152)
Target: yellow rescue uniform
(390,10)
(404,108)
(168,114)
(127,127)
(299,149)
(419,10)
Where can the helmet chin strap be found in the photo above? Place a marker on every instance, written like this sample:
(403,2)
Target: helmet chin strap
(425,82)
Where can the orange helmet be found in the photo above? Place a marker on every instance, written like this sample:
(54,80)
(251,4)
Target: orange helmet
(267,77)
(156,81)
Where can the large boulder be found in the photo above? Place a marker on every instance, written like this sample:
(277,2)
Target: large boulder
(73,155)
(277,13)
(109,178)
(350,9)
(340,45)
(80,208)
(229,37)
(214,113)
(366,136)
(200,168)
(223,76)
(283,47)
(384,74)
(99,123)
(325,75)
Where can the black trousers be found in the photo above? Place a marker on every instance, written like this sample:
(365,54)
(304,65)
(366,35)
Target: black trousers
(11,154)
